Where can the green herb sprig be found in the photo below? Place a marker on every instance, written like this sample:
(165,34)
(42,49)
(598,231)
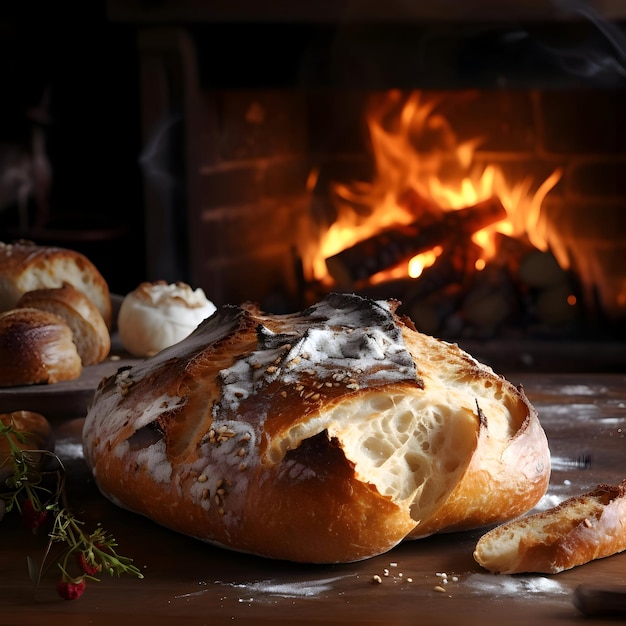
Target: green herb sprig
(34,485)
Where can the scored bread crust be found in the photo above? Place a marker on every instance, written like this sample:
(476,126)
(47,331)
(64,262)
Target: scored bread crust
(90,332)
(36,347)
(25,266)
(317,436)
(578,530)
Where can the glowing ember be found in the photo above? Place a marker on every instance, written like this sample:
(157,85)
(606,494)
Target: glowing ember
(416,152)
(421,261)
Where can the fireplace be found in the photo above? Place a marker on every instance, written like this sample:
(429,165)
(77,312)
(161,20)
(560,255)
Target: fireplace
(266,129)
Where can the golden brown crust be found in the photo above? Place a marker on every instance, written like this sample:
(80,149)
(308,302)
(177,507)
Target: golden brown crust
(310,437)
(36,347)
(577,531)
(89,329)
(34,427)
(25,266)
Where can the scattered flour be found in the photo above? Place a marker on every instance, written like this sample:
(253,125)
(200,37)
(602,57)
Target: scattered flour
(268,589)
(519,586)
(68,449)
(576,390)
(549,501)
(568,412)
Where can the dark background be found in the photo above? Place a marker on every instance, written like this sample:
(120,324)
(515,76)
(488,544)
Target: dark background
(83,69)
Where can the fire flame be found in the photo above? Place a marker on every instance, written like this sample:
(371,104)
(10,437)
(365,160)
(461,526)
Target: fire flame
(415,148)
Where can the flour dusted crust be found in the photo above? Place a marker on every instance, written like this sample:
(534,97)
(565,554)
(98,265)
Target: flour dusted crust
(25,266)
(157,315)
(579,530)
(328,435)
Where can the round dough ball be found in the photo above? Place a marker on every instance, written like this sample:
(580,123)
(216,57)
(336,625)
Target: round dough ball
(157,315)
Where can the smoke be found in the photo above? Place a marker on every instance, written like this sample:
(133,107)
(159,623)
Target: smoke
(601,58)
(160,162)
(156,158)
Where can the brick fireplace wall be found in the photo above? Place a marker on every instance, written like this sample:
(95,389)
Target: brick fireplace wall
(252,200)
(253,210)
(582,133)
(257,162)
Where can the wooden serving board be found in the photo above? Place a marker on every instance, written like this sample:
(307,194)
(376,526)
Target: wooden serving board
(190,582)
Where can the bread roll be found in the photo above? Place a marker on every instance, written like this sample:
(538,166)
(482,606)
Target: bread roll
(36,347)
(157,315)
(579,530)
(327,435)
(90,332)
(25,266)
(36,434)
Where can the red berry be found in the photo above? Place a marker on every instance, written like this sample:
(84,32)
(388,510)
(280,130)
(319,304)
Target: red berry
(89,568)
(31,517)
(71,589)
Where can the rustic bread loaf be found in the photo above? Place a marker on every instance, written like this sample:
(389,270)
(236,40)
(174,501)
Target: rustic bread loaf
(36,347)
(157,315)
(327,435)
(579,530)
(25,266)
(90,332)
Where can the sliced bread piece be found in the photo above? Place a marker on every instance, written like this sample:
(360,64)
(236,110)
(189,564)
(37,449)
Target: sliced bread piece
(580,529)
(89,330)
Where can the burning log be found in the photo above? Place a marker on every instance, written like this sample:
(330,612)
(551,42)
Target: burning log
(453,267)
(393,246)
(438,291)
(425,211)
(429,314)
(511,251)
(490,300)
(548,290)
(540,269)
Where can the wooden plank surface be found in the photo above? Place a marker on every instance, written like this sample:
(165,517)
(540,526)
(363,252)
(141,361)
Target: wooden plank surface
(584,416)
(65,399)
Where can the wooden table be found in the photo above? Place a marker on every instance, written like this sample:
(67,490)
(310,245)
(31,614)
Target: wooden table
(585,419)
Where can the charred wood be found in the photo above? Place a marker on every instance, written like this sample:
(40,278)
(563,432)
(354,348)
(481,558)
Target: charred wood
(396,245)
(430,313)
(455,265)
(490,300)
(541,269)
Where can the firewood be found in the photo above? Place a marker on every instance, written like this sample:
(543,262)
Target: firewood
(490,300)
(396,245)
(429,314)
(395,288)
(511,251)
(540,269)
(553,307)
(455,265)
(424,211)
